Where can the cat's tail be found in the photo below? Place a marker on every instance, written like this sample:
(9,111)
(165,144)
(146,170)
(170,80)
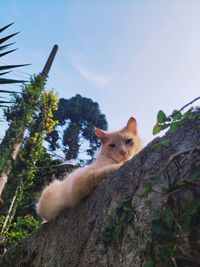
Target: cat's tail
(50,203)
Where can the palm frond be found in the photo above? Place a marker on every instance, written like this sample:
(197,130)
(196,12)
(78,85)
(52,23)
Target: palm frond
(4,39)
(8,81)
(4,73)
(5,27)
(7,52)
(8,92)
(6,67)
(5,102)
(2,47)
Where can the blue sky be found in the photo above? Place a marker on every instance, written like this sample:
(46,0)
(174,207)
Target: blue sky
(132,57)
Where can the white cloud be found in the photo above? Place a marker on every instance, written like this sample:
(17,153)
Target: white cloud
(97,79)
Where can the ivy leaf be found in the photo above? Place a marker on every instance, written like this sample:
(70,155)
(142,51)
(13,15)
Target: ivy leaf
(154,215)
(159,230)
(169,218)
(157,128)
(130,216)
(188,114)
(163,142)
(192,206)
(161,117)
(148,249)
(173,127)
(194,173)
(146,190)
(127,207)
(190,209)
(185,220)
(106,237)
(149,263)
(176,115)
(117,232)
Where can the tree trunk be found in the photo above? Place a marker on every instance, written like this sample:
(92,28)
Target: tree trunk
(145,214)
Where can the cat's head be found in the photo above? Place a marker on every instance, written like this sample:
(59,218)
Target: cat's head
(122,145)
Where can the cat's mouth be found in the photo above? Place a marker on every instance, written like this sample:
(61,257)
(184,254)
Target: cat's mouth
(120,160)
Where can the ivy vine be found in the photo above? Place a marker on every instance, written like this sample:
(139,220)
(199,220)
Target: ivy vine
(176,119)
(124,216)
(41,105)
(175,223)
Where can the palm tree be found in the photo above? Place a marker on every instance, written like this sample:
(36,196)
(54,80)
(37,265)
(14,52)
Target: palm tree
(5,69)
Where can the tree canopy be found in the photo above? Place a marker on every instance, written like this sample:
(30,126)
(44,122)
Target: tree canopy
(76,118)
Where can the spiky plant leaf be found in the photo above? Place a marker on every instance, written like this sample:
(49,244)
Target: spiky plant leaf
(6,67)
(8,52)
(8,81)
(2,47)
(2,29)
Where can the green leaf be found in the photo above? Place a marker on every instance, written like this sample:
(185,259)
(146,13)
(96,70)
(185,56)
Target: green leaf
(188,114)
(165,189)
(176,115)
(117,232)
(190,209)
(194,174)
(161,143)
(185,220)
(130,216)
(149,263)
(159,230)
(156,129)
(106,237)
(161,117)
(127,208)
(169,218)
(146,190)
(154,216)
(173,127)
(192,206)
(148,249)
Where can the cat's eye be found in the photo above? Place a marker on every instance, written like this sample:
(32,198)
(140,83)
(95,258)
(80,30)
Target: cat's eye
(129,141)
(112,145)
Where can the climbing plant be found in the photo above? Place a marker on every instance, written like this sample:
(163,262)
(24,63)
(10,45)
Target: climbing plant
(25,168)
(176,119)
(175,223)
(19,116)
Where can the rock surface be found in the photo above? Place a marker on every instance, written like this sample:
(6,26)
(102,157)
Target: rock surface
(114,226)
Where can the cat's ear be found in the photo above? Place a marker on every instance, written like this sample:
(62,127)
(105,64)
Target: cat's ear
(100,134)
(132,125)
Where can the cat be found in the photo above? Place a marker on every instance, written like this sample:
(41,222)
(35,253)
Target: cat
(116,148)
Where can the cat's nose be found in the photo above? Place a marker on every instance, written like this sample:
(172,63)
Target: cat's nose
(122,152)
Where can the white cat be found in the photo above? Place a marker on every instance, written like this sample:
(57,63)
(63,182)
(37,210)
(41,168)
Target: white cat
(117,147)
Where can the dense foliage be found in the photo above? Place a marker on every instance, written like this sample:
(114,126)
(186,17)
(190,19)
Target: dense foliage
(33,110)
(74,134)
(176,119)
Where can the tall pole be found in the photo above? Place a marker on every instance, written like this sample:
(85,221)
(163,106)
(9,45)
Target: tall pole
(47,67)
